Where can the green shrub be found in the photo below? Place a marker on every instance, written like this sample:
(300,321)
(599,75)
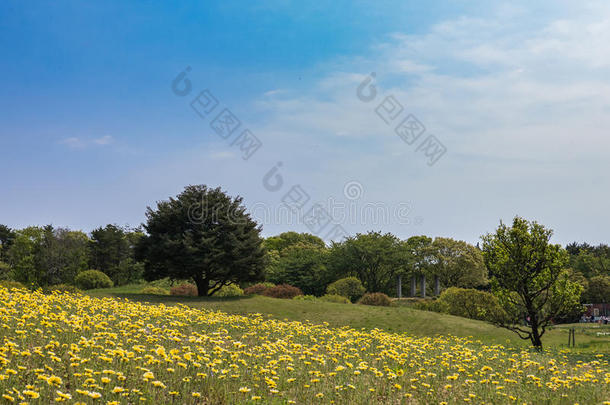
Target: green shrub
(283,291)
(258,288)
(307,297)
(5,271)
(185,290)
(469,303)
(349,287)
(433,305)
(9,284)
(152,290)
(230,290)
(90,279)
(165,282)
(62,288)
(335,298)
(376,299)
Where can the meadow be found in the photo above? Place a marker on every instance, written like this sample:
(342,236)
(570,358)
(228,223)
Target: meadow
(80,348)
(591,339)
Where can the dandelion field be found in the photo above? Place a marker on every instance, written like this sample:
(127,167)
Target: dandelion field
(76,348)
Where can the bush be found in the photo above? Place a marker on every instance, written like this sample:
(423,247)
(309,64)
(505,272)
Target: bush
(5,271)
(62,288)
(349,287)
(283,291)
(433,305)
(9,284)
(469,303)
(376,298)
(259,288)
(185,290)
(90,279)
(230,290)
(307,297)
(154,291)
(339,299)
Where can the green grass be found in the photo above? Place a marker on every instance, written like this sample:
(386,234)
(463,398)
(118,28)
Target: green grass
(590,338)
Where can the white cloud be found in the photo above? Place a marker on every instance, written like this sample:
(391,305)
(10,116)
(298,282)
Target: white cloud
(104,140)
(72,142)
(523,109)
(78,143)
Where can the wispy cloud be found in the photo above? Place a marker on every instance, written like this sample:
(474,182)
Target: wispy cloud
(104,140)
(79,143)
(519,106)
(72,142)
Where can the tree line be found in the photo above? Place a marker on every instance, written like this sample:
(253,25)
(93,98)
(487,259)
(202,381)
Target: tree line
(208,237)
(44,256)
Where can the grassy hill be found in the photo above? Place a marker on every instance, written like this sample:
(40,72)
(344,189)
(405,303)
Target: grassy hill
(590,339)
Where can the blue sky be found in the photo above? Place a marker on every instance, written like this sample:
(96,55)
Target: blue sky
(91,132)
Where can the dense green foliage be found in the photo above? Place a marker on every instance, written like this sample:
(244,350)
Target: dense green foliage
(589,260)
(303,265)
(457,263)
(204,235)
(597,290)
(349,287)
(373,257)
(154,291)
(112,250)
(90,279)
(469,303)
(528,276)
(46,256)
(230,290)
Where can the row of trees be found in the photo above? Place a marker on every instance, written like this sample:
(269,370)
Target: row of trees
(528,275)
(378,260)
(207,236)
(43,256)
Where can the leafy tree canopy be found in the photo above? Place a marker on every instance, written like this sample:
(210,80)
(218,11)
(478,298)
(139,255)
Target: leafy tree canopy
(457,263)
(205,235)
(373,257)
(528,276)
(286,239)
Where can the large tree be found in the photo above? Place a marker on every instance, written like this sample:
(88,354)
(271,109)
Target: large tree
(298,259)
(529,278)
(205,235)
(457,263)
(302,265)
(112,252)
(373,257)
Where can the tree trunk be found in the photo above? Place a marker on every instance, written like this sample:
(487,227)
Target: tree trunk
(399,287)
(535,337)
(437,286)
(203,286)
(413,286)
(423,286)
